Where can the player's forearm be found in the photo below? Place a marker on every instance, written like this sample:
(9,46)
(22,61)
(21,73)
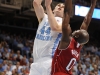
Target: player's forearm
(90,13)
(68,7)
(37,4)
(67,13)
(65,24)
(53,23)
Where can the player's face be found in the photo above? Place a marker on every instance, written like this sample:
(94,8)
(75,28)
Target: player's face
(58,11)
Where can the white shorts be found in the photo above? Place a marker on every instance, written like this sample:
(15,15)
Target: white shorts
(41,68)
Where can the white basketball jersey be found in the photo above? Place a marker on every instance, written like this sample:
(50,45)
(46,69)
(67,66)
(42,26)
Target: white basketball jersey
(46,40)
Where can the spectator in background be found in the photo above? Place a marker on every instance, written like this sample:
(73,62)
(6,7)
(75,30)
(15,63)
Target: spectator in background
(1,67)
(1,48)
(8,71)
(18,56)
(4,64)
(24,61)
(3,57)
(20,45)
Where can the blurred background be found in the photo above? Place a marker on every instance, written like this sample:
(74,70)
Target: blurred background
(18,25)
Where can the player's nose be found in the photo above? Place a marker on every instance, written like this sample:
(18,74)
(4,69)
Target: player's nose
(59,8)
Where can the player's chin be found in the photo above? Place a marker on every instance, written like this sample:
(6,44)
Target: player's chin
(59,14)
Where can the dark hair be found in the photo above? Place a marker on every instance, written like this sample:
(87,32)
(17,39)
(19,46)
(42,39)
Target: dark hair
(54,4)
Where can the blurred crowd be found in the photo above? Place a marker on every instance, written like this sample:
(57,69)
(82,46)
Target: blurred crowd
(16,56)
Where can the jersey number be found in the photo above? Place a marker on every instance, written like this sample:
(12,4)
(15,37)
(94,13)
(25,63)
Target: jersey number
(71,63)
(47,31)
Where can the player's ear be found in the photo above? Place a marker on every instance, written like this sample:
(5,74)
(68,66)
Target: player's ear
(76,36)
(53,11)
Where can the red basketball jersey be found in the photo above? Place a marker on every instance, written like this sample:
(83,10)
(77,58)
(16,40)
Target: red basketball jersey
(64,59)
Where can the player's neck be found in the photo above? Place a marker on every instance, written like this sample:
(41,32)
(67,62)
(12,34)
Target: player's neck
(57,16)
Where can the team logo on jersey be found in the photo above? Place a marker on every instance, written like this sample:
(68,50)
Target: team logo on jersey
(75,53)
(44,33)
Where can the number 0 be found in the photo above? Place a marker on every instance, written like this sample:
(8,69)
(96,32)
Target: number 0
(71,63)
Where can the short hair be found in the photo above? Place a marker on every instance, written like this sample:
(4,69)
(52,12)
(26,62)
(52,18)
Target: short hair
(54,4)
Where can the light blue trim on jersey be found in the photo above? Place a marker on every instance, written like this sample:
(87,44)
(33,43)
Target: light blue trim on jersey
(56,43)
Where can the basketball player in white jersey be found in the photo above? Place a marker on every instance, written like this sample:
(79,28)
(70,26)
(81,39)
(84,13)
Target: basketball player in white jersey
(47,36)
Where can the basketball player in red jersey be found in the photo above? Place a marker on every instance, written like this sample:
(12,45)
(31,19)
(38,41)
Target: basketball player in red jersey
(70,45)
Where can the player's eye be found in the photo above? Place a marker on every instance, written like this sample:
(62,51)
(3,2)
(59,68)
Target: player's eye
(63,6)
(58,4)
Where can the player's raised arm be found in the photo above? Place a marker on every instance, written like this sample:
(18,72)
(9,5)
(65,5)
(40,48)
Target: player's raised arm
(88,17)
(38,9)
(51,16)
(65,25)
